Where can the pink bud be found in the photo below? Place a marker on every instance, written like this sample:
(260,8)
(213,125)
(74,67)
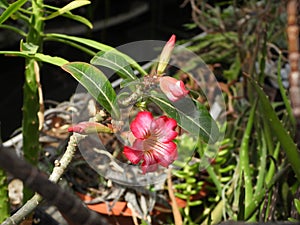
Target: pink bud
(165,55)
(174,89)
(89,127)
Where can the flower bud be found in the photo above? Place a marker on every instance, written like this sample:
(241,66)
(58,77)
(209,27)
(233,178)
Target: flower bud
(174,89)
(166,55)
(90,127)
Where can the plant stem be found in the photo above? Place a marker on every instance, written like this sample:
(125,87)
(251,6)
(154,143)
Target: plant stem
(4,206)
(30,123)
(57,172)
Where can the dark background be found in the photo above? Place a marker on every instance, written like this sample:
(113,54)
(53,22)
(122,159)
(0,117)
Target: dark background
(162,18)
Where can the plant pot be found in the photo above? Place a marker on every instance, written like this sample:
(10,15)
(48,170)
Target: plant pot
(121,214)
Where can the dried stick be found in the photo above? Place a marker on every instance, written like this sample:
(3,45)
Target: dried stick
(175,209)
(71,207)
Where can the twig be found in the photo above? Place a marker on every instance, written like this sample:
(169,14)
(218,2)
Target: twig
(64,201)
(175,210)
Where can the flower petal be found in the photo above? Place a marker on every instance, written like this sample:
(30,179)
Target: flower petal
(167,154)
(140,126)
(133,155)
(164,129)
(149,167)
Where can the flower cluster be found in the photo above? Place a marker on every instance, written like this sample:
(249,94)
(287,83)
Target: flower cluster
(154,144)
(174,89)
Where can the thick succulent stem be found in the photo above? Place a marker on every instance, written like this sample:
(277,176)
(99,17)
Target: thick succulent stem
(30,123)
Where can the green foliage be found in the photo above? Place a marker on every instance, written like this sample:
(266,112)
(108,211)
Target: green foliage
(4,206)
(240,40)
(197,123)
(96,45)
(67,8)
(116,62)
(235,178)
(297,205)
(96,84)
(279,130)
(10,9)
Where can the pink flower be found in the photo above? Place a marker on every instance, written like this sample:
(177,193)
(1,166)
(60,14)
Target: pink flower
(174,89)
(154,141)
(165,55)
(89,127)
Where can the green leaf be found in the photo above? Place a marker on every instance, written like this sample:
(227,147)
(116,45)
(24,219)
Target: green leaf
(12,8)
(96,84)
(284,94)
(14,29)
(280,132)
(115,62)
(54,60)
(70,15)
(28,47)
(198,123)
(297,204)
(78,18)
(235,68)
(101,47)
(4,4)
(72,5)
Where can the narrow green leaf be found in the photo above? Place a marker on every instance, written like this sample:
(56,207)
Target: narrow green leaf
(54,60)
(233,72)
(100,47)
(198,122)
(280,132)
(247,190)
(72,5)
(14,29)
(4,4)
(12,8)
(78,18)
(95,82)
(85,41)
(70,15)
(297,205)
(115,62)
(284,96)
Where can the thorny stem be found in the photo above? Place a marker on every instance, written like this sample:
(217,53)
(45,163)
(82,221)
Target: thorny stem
(294,76)
(57,172)
(293,34)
